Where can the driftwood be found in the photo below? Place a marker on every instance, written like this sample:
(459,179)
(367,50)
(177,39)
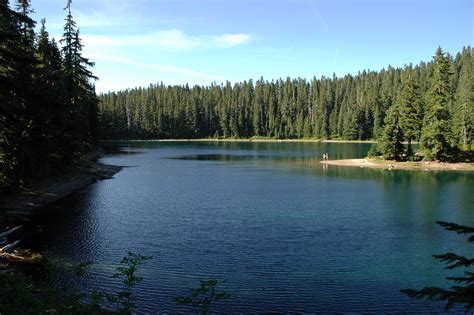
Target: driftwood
(9,254)
(10,247)
(30,258)
(5,234)
(21,256)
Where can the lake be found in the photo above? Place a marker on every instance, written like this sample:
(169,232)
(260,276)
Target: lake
(286,233)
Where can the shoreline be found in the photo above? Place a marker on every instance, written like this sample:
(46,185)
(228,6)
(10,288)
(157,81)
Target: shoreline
(269,140)
(18,207)
(393,165)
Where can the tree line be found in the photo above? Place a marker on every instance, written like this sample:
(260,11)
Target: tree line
(352,107)
(49,108)
(441,118)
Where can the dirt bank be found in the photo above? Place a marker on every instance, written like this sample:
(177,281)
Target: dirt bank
(19,206)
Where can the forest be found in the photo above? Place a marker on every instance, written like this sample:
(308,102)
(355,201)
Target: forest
(51,116)
(353,107)
(49,108)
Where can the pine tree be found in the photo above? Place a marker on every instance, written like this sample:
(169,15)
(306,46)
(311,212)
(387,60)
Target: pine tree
(10,109)
(391,145)
(462,291)
(464,105)
(49,101)
(16,95)
(352,107)
(82,100)
(410,104)
(436,134)
(26,26)
(258,107)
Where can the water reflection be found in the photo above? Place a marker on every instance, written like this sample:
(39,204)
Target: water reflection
(288,232)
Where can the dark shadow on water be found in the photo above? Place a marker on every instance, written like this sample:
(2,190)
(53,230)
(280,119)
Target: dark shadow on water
(113,149)
(220,157)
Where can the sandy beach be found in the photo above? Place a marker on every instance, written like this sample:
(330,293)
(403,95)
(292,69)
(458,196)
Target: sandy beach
(421,166)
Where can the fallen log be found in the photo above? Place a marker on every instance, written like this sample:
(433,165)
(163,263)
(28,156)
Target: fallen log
(10,247)
(5,234)
(10,254)
(11,257)
(22,257)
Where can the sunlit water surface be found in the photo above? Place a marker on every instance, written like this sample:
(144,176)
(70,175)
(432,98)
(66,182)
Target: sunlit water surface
(286,232)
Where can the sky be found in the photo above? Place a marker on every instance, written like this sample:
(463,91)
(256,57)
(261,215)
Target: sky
(138,42)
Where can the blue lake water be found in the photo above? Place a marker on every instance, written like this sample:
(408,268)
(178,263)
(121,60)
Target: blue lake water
(287,233)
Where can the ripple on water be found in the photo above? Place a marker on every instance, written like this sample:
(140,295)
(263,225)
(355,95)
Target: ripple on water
(287,234)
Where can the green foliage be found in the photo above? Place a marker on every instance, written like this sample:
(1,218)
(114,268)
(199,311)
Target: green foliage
(462,291)
(459,229)
(128,271)
(374,150)
(351,107)
(391,145)
(410,103)
(464,105)
(442,137)
(436,138)
(202,297)
(49,111)
(19,294)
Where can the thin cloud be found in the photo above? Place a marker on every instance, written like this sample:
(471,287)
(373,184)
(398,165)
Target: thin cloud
(93,19)
(172,39)
(156,67)
(230,40)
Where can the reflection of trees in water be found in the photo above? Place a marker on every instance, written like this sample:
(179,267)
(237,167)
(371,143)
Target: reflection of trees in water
(406,193)
(406,190)
(417,192)
(314,149)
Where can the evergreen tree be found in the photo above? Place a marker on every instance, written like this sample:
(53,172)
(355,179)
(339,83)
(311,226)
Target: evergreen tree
(11,110)
(82,123)
(410,104)
(42,120)
(464,105)
(351,107)
(462,291)
(49,100)
(436,134)
(16,96)
(391,145)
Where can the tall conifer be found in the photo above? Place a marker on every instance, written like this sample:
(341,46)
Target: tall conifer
(391,145)
(436,134)
(410,104)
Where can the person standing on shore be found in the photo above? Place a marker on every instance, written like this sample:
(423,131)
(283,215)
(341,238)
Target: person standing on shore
(325,157)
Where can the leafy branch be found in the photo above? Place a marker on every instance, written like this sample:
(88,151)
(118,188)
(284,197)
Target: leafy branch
(205,295)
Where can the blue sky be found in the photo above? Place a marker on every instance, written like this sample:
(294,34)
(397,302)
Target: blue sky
(138,42)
